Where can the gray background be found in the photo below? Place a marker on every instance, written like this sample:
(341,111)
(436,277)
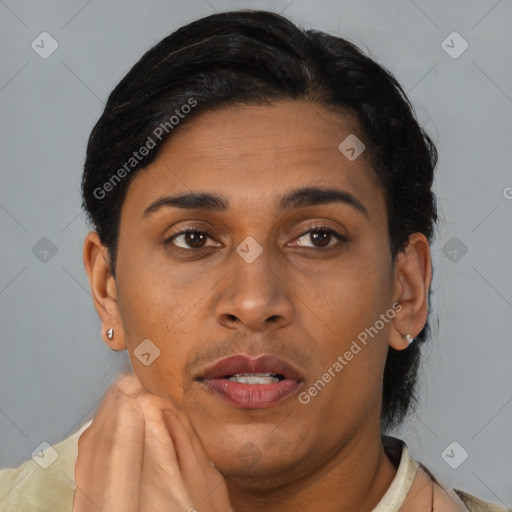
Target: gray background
(54,367)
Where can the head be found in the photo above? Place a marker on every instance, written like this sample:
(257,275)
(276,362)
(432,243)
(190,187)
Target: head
(234,113)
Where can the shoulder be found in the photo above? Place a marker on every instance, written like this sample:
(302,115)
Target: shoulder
(448,500)
(427,493)
(470,502)
(44,483)
(475,504)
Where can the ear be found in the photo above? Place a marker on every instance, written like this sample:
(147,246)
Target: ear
(103,289)
(413,275)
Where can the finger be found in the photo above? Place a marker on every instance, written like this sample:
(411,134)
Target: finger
(110,455)
(130,385)
(83,499)
(206,485)
(125,460)
(197,445)
(183,445)
(92,443)
(162,487)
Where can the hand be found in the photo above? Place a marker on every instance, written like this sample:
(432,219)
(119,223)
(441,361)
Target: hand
(142,454)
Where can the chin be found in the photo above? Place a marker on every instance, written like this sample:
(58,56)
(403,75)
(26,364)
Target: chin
(251,450)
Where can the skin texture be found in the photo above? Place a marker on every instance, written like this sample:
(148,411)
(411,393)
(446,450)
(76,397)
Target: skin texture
(302,299)
(138,445)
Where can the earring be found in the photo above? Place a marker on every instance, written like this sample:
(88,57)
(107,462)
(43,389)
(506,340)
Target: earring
(408,337)
(110,333)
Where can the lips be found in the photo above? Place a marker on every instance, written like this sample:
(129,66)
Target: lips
(243,364)
(284,381)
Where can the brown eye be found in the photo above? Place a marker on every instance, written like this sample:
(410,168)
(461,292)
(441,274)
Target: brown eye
(320,237)
(189,239)
(195,239)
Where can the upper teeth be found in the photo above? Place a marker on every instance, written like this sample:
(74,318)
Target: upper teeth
(254,378)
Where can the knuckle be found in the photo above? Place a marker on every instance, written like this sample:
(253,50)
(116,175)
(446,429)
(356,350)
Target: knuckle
(151,406)
(129,385)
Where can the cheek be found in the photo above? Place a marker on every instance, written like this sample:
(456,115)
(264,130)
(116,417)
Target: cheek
(154,311)
(351,296)
(350,302)
(153,295)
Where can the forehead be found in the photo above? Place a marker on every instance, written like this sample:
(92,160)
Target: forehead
(250,153)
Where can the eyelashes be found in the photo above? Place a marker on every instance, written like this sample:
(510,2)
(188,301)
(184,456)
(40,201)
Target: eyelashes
(197,233)
(194,235)
(326,229)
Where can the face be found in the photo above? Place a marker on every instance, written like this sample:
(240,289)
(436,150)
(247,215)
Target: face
(248,273)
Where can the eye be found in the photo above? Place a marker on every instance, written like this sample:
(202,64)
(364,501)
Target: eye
(321,236)
(195,240)
(189,239)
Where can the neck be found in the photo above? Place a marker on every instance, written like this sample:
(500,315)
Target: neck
(355,478)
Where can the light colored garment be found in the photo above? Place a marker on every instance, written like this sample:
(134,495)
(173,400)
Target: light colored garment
(33,488)
(415,489)
(30,487)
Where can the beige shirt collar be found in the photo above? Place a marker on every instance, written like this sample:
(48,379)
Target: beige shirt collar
(414,488)
(401,484)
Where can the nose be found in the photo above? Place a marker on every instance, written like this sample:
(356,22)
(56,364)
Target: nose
(255,295)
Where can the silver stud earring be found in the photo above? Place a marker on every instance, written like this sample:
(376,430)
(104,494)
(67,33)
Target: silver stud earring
(408,337)
(110,333)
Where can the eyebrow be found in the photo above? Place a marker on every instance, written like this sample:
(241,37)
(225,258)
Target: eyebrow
(298,198)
